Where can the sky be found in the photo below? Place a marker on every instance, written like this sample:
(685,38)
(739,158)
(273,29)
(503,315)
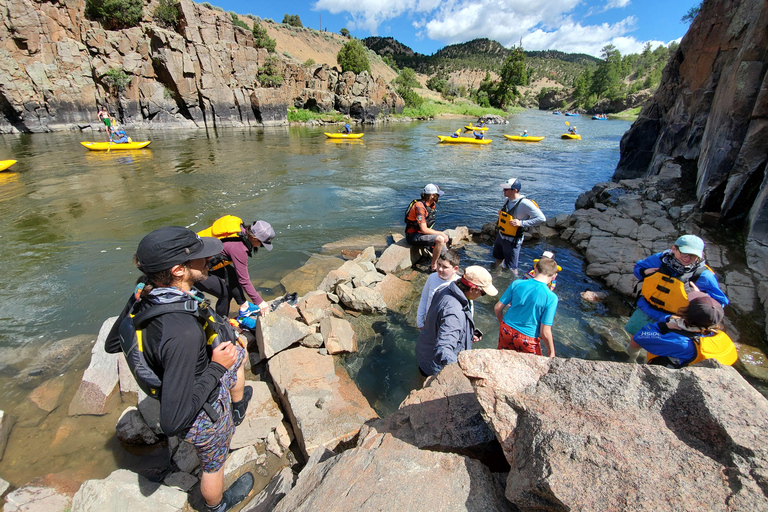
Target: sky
(572,26)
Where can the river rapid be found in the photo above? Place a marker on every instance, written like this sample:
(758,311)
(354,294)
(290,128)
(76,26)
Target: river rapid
(73,218)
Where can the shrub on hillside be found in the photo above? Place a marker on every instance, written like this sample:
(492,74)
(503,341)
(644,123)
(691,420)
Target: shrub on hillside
(167,14)
(261,39)
(352,57)
(236,21)
(292,20)
(269,75)
(115,14)
(117,80)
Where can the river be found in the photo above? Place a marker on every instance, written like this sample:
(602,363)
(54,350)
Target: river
(73,218)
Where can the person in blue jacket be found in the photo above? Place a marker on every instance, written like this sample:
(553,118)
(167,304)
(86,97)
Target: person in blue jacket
(667,277)
(449,327)
(347,129)
(119,136)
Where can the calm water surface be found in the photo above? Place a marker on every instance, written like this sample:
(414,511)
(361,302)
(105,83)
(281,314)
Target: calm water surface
(73,218)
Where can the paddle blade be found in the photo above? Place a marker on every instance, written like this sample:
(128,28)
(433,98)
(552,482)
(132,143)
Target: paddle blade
(567,123)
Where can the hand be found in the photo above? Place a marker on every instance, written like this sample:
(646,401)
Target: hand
(650,271)
(516,222)
(264,311)
(225,354)
(475,339)
(694,288)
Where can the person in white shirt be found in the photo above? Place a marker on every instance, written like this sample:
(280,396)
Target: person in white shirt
(447,271)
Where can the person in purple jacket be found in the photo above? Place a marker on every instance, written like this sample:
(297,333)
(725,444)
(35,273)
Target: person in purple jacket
(229,278)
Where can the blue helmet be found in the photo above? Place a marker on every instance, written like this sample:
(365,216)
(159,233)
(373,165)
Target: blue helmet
(346,125)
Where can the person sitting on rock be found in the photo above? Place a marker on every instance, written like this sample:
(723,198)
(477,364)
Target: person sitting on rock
(447,272)
(693,335)
(419,219)
(531,313)
(667,278)
(449,327)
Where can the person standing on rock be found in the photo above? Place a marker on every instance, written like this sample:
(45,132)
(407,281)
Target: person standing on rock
(419,219)
(667,278)
(450,327)
(106,119)
(531,313)
(201,391)
(517,214)
(229,277)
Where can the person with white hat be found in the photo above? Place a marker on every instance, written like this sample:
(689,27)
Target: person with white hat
(419,219)
(517,214)
(668,277)
(449,327)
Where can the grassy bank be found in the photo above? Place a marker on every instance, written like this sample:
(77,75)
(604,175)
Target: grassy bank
(629,115)
(301,115)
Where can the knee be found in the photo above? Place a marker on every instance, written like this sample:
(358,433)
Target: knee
(441,240)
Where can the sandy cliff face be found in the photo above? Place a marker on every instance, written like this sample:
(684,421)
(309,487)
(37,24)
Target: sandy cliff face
(53,65)
(710,116)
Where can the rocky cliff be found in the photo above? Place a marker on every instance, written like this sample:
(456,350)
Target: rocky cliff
(709,116)
(55,65)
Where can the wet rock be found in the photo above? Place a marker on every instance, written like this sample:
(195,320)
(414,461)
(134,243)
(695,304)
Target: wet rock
(308,277)
(132,429)
(54,360)
(591,296)
(48,394)
(99,385)
(275,490)
(741,291)
(394,291)
(338,335)
(129,388)
(385,473)
(365,300)
(124,490)
(262,417)
(611,332)
(185,457)
(396,257)
(180,480)
(324,405)
(275,333)
(33,498)
(589,435)
(6,424)
(378,242)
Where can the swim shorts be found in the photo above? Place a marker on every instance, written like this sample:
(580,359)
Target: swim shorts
(211,439)
(511,339)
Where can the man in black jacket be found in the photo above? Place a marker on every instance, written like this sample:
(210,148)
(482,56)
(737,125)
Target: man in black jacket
(202,387)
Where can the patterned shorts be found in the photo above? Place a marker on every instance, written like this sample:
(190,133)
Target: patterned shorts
(211,440)
(511,339)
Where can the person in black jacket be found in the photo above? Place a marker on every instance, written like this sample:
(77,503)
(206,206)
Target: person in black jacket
(202,387)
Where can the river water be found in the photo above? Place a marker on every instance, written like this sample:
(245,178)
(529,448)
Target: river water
(73,218)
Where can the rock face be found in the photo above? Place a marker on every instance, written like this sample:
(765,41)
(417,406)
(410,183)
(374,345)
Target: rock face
(56,62)
(124,491)
(590,435)
(710,116)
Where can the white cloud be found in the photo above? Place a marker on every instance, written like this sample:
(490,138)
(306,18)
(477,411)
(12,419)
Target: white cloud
(616,4)
(369,14)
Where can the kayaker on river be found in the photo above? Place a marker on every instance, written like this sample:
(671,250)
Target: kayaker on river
(347,129)
(525,133)
(478,135)
(119,137)
(572,130)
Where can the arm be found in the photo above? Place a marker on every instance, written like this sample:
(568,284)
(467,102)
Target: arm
(239,255)
(449,333)
(643,267)
(535,215)
(421,313)
(546,334)
(707,283)
(498,309)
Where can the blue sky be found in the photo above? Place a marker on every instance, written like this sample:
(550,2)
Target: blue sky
(573,26)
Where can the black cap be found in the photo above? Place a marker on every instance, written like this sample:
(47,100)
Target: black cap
(165,247)
(703,311)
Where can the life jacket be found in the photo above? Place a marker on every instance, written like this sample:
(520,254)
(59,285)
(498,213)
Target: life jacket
(667,293)
(506,215)
(227,229)
(132,336)
(411,224)
(717,345)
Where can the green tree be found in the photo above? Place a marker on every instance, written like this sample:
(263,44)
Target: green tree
(689,16)
(407,78)
(513,74)
(344,32)
(269,74)
(115,14)
(261,39)
(352,57)
(167,14)
(581,87)
(405,83)
(606,79)
(292,20)
(117,80)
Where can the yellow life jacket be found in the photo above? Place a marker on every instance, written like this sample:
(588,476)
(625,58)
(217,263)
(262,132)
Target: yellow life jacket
(506,216)
(668,293)
(227,228)
(715,346)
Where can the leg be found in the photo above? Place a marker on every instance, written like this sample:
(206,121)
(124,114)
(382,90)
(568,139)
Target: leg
(212,487)
(514,254)
(237,390)
(498,249)
(217,287)
(437,250)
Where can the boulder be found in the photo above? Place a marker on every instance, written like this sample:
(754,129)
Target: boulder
(48,394)
(308,277)
(6,424)
(276,332)
(124,491)
(365,300)
(132,429)
(275,490)
(338,335)
(129,388)
(33,498)
(595,435)
(385,473)
(186,458)
(324,405)
(333,279)
(99,384)
(394,291)
(262,418)
(396,257)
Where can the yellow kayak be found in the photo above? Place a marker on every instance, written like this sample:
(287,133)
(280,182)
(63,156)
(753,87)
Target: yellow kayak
(463,140)
(344,135)
(4,164)
(571,136)
(103,146)
(477,128)
(520,138)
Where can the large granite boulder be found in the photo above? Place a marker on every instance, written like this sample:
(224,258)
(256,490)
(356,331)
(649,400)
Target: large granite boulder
(385,473)
(124,491)
(591,435)
(99,384)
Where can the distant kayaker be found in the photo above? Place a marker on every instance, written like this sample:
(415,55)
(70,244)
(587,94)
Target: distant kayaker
(516,215)
(456,134)
(229,277)
(525,133)
(572,130)
(478,135)
(347,129)
(419,219)
(119,136)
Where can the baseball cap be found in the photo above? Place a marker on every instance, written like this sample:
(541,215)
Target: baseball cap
(262,230)
(166,247)
(703,310)
(690,244)
(479,277)
(433,189)
(512,183)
